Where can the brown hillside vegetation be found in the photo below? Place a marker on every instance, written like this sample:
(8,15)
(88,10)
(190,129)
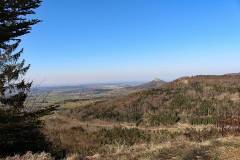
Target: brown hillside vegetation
(189,118)
(193,100)
(150,85)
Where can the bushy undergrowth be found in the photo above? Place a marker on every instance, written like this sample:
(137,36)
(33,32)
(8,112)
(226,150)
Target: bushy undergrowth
(184,152)
(20,133)
(196,120)
(195,100)
(164,118)
(201,135)
(198,153)
(122,136)
(164,136)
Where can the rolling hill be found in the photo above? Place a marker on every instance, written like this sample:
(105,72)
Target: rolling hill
(156,83)
(194,100)
(189,118)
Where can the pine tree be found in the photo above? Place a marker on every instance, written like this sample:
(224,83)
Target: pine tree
(13,24)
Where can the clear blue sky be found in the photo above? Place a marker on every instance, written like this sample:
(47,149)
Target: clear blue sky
(87,41)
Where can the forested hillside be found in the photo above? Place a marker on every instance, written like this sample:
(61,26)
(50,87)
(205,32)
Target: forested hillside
(193,100)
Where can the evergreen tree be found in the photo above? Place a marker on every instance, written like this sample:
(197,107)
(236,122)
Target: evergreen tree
(13,24)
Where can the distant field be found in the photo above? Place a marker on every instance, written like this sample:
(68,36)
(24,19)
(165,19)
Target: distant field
(74,96)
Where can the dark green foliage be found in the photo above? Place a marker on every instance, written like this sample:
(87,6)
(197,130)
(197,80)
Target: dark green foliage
(13,21)
(181,102)
(196,120)
(164,136)
(104,114)
(206,108)
(164,118)
(108,114)
(122,136)
(112,114)
(204,114)
(219,88)
(13,24)
(197,86)
(20,132)
(135,117)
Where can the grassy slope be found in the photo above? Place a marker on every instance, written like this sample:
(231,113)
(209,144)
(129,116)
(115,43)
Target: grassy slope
(161,123)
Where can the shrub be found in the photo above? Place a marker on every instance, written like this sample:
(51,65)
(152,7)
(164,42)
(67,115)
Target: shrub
(164,136)
(164,118)
(122,136)
(196,120)
(21,132)
(184,152)
(200,135)
(200,153)
(206,108)
(181,102)
(197,86)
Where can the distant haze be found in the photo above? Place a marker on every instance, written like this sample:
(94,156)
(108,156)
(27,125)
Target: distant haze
(96,41)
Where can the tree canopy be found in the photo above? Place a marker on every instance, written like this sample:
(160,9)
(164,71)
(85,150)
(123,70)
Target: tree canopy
(14,23)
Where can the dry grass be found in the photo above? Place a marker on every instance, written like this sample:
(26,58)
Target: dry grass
(80,141)
(31,156)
